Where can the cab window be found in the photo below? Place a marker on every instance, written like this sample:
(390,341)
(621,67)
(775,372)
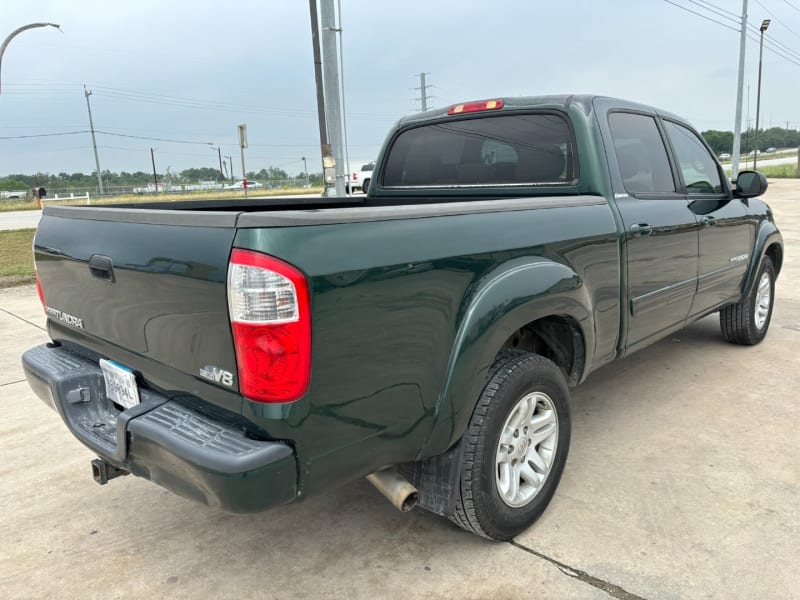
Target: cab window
(506,150)
(698,167)
(641,154)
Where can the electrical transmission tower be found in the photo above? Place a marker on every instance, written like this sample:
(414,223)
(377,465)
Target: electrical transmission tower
(423,92)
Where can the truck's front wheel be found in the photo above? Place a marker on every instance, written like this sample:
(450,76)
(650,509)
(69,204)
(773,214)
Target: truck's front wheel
(515,447)
(747,321)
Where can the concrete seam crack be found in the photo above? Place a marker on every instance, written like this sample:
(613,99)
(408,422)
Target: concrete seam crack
(9,313)
(11,382)
(611,589)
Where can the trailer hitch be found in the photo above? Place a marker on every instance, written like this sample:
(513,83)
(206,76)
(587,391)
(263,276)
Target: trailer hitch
(103,471)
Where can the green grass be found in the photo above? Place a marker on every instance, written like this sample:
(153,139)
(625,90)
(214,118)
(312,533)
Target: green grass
(8,205)
(779,171)
(16,259)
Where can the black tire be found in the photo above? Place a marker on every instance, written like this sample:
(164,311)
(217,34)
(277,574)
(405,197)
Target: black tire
(480,508)
(365,185)
(738,321)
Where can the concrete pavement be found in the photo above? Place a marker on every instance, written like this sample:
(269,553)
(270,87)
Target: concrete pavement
(19,219)
(683,481)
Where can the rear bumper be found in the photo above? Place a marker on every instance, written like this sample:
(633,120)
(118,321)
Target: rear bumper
(162,439)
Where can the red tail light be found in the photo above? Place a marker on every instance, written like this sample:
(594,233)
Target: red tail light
(355,176)
(269,307)
(471,107)
(39,291)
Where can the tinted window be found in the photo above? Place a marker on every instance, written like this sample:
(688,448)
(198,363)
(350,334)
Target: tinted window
(697,166)
(368,167)
(502,150)
(641,155)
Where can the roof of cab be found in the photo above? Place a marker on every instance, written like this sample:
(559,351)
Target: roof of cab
(562,101)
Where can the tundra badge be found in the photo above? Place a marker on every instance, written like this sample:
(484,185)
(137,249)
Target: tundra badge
(60,315)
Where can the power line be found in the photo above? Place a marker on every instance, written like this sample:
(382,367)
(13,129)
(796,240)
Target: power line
(157,139)
(778,21)
(718,7)
(177,101)
(40,135)
(707,18)
(792,57)
(153,139)
(717,10)
(792,5)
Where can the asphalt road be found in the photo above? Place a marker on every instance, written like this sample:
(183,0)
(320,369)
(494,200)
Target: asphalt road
(683,482)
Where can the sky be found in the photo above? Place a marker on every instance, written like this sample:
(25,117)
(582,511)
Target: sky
(191,71)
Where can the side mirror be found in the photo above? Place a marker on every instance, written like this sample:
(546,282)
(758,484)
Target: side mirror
(750,184)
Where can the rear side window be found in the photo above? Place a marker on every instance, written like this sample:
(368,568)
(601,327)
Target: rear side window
(368,167)
(530,149)
(641,154)
(698,167)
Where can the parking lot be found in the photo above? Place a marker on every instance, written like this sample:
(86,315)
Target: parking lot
(683,481)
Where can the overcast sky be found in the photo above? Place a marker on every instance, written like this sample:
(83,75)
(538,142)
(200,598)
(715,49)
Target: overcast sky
(192,70)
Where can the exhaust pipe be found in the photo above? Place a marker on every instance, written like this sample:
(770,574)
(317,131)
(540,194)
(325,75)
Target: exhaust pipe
(395,488)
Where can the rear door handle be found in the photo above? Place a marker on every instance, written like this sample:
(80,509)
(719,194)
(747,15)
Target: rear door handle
(102,267)
(708,221)
(641,229)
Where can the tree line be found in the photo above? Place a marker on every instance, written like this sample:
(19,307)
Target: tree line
(720,141)
(774,137)
(20,181)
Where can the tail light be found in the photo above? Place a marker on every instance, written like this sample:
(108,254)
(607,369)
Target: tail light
(39,291)
(268,301)
(355,176)
(471,107)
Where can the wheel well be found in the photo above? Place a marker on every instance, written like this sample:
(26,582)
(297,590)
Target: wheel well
(557,338)
(776,255)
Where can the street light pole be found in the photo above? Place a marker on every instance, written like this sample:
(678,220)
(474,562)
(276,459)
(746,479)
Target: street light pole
(763,28)
(230,164)
(19,30)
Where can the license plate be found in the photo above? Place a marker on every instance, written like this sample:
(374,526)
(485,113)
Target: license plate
(121,385)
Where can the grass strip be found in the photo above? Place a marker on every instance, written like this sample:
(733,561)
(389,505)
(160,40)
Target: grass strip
(16,257)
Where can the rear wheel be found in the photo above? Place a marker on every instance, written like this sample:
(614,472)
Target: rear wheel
(516,447)
(747,321)
(365,185)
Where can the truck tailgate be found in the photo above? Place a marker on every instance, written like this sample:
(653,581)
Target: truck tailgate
(149,282)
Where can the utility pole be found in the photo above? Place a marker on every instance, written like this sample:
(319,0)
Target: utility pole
(423,92)
(219,153)
(737,126)
(325,148)
(305,166)
(242,145)
(332,92)
(155,176)
(88,93)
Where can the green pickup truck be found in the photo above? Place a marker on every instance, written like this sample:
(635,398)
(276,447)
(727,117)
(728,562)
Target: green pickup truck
(245,354)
